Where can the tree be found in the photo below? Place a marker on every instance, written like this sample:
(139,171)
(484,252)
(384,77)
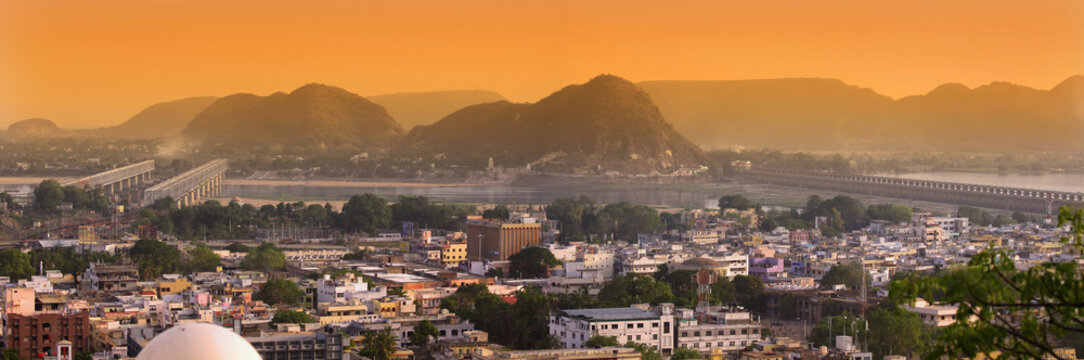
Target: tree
(422,332)
(238,248)
(749,291)
(10,354)
(202,258)
(1019,313)
(846,274)
(355,255)
(532,263)
(628,289)
(154,258)
(379,345)
(890,212)
(366,213)
(292,317)
(574,215)
(495,273)
(7,200)
(895,331)
(48,195)
(265,257)
(683,354)
(15,264)
(420,210)
(280,291)
(647,352)
(599,341)
(626,221)
(738,202)
(499,212)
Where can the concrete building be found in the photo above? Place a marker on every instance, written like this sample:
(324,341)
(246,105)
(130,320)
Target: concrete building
(934,315)
(651,327)
(114,279)
(725,329)
(562,354)
(346,288)
(37,335)
(496,240)
(299,345)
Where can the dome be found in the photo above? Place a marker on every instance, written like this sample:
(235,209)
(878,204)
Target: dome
(198,341)
(700,263)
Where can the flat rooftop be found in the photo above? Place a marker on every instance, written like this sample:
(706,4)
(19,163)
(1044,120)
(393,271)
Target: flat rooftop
(612,314)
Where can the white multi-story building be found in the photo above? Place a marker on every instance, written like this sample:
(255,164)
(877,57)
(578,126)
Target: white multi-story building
(637,324)
(726,329)
(594,262)
(935,315)
(954,226)
(346,288)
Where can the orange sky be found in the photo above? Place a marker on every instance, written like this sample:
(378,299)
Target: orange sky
(92,63)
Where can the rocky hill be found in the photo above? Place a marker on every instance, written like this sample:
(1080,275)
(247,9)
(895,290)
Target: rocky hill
(425,108)
(34,128)
(312,115)
(607,123)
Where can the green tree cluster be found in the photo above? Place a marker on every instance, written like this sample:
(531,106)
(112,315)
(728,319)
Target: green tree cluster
(532,263)
(280,291)
(15,264)
(366,213)
(849,274)
(628,289)
(581,218)
(292,317)
(266,257)
(1019,313)
(738,202)
(154,258)
(524,325)
(895,213)
(422,332)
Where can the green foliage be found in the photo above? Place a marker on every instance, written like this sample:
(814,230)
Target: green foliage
(573,215)
(495,273)
(647,352)
(524,325)
(499,212)
(366,213)
(238,248)
(683,354)
(265,257)
(628,289)
(844,213)
(202,258)
(420,210)
(10,354)
(625,221)
(154,258)
(738,202)
(824,333)
(1019,313)
(422,332)
(532,263)
(8,200)
(895,213)
(280,291)
(358,255)
(846,274)
(379,345)
(67,260)
(48,195)
(895,331)
(292,317)
(599,341)
(15,264)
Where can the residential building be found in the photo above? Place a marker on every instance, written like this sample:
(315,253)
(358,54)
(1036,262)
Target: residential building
(640,324)
(496,240)
(37,335)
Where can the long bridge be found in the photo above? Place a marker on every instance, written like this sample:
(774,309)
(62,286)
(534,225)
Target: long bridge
(997,197)
(120,179)
(191,186)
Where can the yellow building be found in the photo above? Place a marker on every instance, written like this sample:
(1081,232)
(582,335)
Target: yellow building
(451,254)
(336,313)
(172,286)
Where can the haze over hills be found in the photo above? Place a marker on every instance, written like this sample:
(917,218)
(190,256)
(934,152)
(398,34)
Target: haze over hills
(607,122)
(312,115)
(424,108)
(156,121)
(828,114)
(34,128)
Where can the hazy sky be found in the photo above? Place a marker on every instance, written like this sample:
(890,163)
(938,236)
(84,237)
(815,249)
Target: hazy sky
(93,63)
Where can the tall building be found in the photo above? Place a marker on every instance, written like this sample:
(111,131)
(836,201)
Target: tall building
(651,327)
(36,336)
(496,240)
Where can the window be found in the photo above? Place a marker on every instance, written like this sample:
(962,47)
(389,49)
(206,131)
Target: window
(684,334)
(744,332)
(732,332)
(628,326)
(707,333)
(654,324)
(640,326)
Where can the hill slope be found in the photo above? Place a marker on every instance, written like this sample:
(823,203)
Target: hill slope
(607,122)
(156,121)
(828,114)
(425,108)
(34,128)
(312,115)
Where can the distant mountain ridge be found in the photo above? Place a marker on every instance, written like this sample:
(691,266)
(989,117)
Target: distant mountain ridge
(425,108)
(156,121)
(829,114)
(311,115)
(607,123)
(34,128)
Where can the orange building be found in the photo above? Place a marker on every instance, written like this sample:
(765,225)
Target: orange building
(496,240)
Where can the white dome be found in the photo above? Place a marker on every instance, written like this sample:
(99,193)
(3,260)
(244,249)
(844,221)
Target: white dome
(198,341)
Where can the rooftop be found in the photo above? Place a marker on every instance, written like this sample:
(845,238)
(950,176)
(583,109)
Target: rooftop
(612,314)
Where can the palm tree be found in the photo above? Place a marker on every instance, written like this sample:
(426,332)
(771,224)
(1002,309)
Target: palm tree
(379,345)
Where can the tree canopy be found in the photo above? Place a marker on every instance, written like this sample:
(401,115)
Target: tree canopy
(532,263)
(265,257)
(849,274)
(280,291)
(154,258)
(422,332)
(366,213)
(738,202)
(292,317)
(15,264)
(1000,308)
